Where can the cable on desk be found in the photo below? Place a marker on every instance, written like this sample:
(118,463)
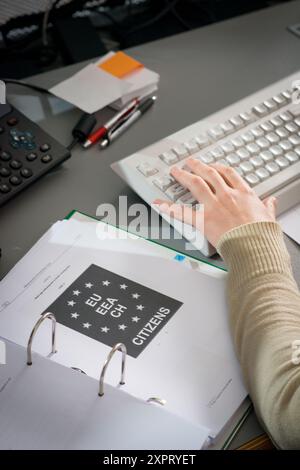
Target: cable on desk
(81,130)
(25,84)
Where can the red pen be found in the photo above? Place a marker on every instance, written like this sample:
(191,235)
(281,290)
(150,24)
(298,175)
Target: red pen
(103,130)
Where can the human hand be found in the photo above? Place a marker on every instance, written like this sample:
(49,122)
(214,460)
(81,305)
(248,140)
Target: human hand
(228,201)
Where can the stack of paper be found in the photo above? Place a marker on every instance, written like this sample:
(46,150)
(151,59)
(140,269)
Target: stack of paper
(111,81)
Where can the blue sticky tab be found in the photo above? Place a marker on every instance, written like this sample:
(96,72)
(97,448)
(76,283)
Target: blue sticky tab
(179,257)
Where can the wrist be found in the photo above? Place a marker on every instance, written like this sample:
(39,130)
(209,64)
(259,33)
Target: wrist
(253,249)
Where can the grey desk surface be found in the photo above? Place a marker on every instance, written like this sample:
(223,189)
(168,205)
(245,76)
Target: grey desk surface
(201,71)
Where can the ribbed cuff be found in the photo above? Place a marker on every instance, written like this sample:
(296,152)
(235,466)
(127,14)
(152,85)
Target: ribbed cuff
(253,249)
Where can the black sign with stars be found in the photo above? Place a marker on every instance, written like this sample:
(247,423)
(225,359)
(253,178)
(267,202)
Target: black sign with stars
(112,309)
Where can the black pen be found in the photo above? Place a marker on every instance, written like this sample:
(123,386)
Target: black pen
(141,109)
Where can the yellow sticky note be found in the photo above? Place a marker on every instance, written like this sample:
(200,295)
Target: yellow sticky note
(120,65)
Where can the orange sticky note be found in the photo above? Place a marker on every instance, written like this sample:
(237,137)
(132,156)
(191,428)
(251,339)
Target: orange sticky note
(120,65)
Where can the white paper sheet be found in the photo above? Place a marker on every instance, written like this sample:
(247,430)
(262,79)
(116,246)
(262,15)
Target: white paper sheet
(48,406)
(190,362)
(91,89)
(290,223)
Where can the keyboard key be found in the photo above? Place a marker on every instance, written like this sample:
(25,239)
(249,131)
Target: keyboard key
(237,122)
(263,143)
(15,164)
(223,162)
(257,161)
(227,127)
(26,173)
(146,169)
(252,179)
(233,159)
(15,180)
(287,94)
(247,137)
(181,151)
(4,188)
(276,121)
(247,167)
(202,141)
(247,117)
(267,156)
(291,127)
(46,158)
(5,156)
(164,182)
(272,138)
(282,132)
(257,132)
(292,157)
(279,99)
(297,121)
(206,158)
(191,146)
(272,167)
(282,162)
(297,150)
(262,173)
(253,148)
(175,191)
(271,105)
(169,158)
(243,153)
(286,116)
(216,133)
(239,170)
(260,110)
(237,142)
(5,172)
(31,157)
(286,145)
(227,147)
(217,153)
(267,126)
(276,150)
(295,111)
(294,139)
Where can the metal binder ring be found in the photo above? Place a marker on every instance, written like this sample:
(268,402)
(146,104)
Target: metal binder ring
(158,400)
(118,347)
(34,330)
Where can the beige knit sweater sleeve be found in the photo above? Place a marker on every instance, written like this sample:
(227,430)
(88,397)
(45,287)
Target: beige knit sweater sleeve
(264,304)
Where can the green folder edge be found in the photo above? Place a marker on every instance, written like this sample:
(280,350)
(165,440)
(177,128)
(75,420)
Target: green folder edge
(248,411)
(205,261)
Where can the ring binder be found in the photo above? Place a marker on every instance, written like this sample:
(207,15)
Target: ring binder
(118,347)
(34,330)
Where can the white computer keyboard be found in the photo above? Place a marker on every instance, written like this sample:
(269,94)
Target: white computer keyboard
(259,136)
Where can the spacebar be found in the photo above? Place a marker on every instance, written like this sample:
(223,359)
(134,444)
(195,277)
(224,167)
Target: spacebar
(279,180)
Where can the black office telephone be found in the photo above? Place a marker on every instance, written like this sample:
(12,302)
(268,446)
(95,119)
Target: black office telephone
(27,152)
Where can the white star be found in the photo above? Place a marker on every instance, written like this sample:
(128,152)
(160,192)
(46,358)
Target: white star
(122,327)
(140,307)
(71,303)
(76,292)
(89,285)
(75,315)
(135,319)
(86,325)
(105,283)
(104,329)
(135,296)
(123,286)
